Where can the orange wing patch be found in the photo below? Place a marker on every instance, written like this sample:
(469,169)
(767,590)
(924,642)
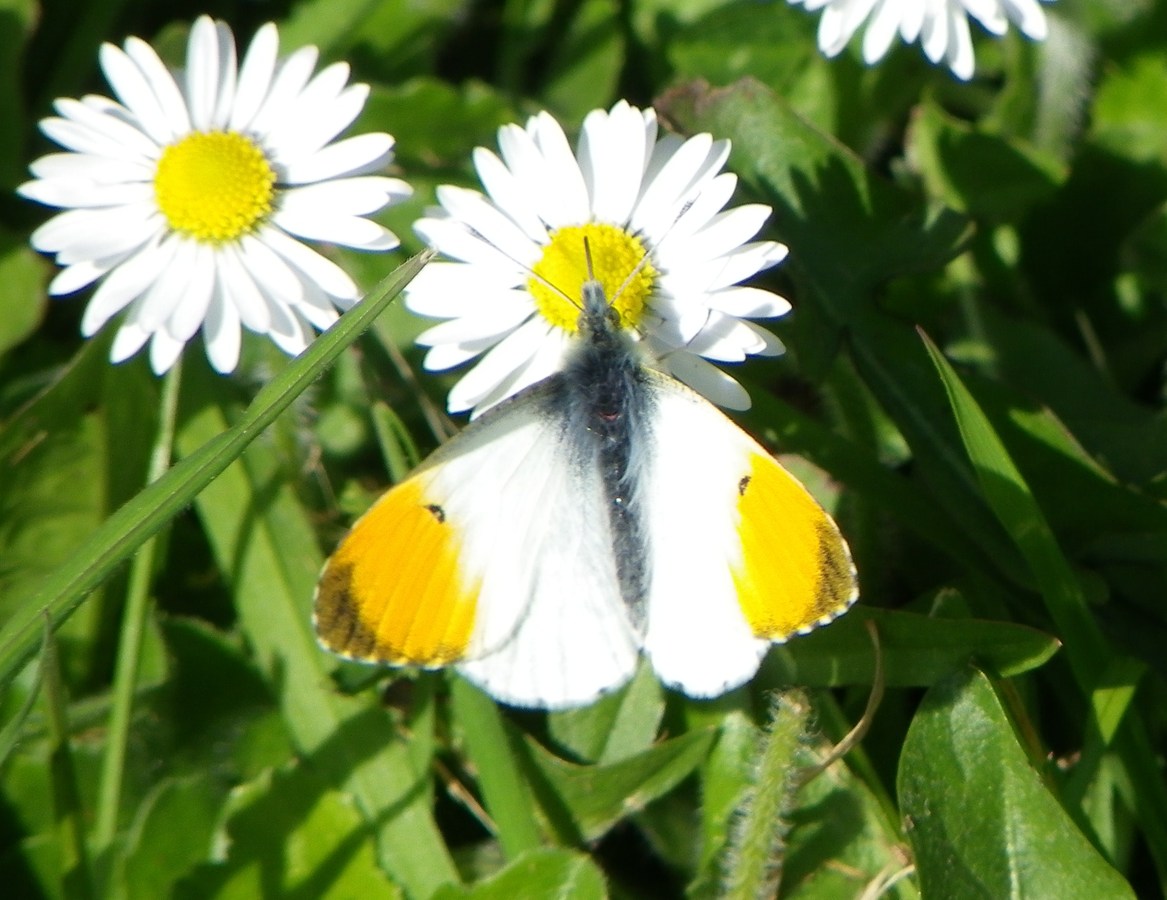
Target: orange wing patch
(795,571)
(393,591)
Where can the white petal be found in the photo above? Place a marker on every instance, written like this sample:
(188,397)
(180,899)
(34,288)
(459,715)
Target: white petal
(881,31)
(103,134)
(164,351)
(202,73)
(960,57)
(493,320)
(509,195)
(612,156)
(169,290)
(273,276)
(322,115)
(726,339)
(730,230)
(125,284)
(139,96)
(255,76)
(492,226)
(352,156)
(352,231)
(563,196)
(82,193)
(162,83)
(708,380)
(749,302)
(771,345)
(345,196)
(331,277)
(291,335)
(1029,16)
(129,340)
(668,183)
(989,13)
(502,360)
(839,22)
(291,75)
(97,169)
(547,360)
(448,356)
(744,262)
(457,241)
(697,215)
(221,335)
(73,278)
(317,307)
(93,233)
(445,290)
(186,317)
(239,289)
(228,77)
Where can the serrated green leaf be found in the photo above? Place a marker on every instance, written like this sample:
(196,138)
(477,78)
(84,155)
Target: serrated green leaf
(981,821)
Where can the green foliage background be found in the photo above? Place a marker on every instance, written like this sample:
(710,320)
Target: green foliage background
(974,385)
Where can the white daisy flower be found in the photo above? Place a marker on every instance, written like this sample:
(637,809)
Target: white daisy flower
(941,26)
(189,196)
(512,296)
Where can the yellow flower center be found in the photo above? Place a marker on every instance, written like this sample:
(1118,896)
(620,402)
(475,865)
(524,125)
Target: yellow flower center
(559,275)
(214,185)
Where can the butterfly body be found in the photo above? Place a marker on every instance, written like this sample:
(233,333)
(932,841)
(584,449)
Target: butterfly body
(605,512)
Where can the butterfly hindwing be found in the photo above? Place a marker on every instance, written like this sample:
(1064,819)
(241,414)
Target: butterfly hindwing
(495,555)
(741,554)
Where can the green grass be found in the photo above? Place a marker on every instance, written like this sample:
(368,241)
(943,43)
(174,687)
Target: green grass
(974,385)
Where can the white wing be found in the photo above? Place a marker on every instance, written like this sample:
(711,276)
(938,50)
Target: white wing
(741,555)
(495,555)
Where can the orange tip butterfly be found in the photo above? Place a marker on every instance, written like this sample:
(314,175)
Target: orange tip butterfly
(607,512)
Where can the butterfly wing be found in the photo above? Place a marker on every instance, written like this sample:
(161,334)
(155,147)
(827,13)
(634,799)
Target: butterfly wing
(495,555)
(741,554)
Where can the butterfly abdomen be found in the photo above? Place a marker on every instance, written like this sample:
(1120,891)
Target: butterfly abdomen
(608,404)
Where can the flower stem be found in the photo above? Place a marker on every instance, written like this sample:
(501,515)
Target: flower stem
(130,640)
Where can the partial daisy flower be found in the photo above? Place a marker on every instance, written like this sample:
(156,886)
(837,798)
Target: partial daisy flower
(941,26)
(188,197)
(668,254)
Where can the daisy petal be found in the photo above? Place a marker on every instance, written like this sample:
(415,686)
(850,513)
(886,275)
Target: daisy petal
(255,75)
(705,378)
(221,334)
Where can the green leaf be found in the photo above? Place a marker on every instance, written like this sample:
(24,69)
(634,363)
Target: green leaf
(1011,500)
(264,543)
(63,591)
(288,835)
(847,231)
(585,68)
(917,650)
(23,300)
(156,854)
(616,726)
(583,802)
(489,747)
(986,175)
(981,821)
(539,875)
